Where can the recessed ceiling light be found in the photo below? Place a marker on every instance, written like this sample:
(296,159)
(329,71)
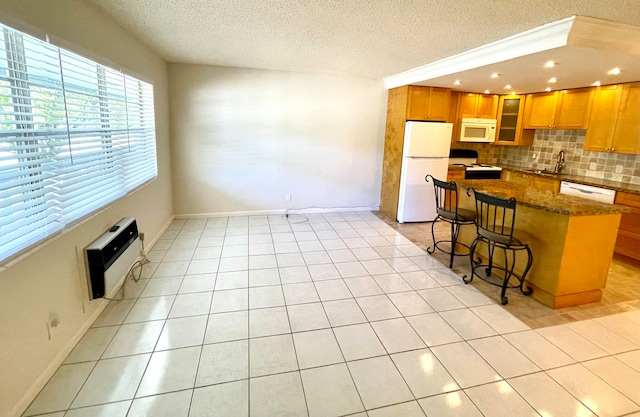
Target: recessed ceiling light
(550,64)
(614,71)
(486,92)
(553,80)
(508,86)
(596,84)
(457,82)
(495,75)
(547,89)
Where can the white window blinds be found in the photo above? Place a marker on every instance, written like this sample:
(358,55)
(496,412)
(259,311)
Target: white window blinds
(74,136)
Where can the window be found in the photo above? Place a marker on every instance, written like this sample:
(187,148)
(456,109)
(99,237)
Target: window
(74,136)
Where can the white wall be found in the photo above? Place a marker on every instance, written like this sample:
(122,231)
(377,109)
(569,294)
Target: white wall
(49,279)
(242,139)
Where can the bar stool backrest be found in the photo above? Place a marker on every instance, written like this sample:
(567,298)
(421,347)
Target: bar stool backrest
(446,197)
(495,217)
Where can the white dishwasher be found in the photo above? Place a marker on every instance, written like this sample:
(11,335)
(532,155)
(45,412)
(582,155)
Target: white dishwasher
(587,191)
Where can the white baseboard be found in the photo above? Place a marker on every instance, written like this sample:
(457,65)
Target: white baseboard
(53,366)
(150,244)
(272,212)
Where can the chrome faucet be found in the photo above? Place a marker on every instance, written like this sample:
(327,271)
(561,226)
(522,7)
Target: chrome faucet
(559,163)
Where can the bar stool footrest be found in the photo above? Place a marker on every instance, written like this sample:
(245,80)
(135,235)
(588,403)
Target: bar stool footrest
(436,245)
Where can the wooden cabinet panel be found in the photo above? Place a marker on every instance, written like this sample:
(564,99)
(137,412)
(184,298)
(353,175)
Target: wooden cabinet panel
(439,103)
(602,121)
(614,124)
(629,221)
(393,145)
(509,129)
(428,103)
(628,241)
(486,106)
(483,106)
(418,103)
(545,184)
(567,109)
(573,108)
(628,244)
(517,178)
(453,117)
(626,138)
(455,174)
(539,111)
(467,106)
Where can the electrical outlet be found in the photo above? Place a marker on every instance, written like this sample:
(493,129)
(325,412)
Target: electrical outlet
(535,156)
(287,197)
(619,169)
(592,166)
(53,323)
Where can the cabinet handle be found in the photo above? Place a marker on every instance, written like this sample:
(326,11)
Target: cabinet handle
(612,149)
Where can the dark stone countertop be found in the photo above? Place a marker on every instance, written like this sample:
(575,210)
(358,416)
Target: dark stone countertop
(579,179)
(543,200)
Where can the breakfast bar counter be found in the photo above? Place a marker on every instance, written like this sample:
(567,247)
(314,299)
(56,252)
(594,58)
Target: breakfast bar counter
(572,240)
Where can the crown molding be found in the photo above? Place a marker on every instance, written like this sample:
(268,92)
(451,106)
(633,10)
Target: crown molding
(548,36)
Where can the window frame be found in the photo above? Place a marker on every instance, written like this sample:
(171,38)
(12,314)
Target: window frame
(101,135)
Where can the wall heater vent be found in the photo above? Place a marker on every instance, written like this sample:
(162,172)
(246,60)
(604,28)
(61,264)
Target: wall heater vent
(110,256)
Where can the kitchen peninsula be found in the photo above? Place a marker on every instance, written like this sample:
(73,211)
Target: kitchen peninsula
(572,240)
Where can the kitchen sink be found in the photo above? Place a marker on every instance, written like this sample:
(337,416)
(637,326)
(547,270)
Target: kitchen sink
(542,172)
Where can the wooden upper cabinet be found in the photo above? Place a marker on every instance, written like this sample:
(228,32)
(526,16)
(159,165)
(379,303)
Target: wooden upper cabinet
(428,103)
(418,103)
(573,108)
(509,129)
(484,106)
(626,138)
(602,122)
(487,106)
(566,109)
(614,125)
(467,105)
(539,111)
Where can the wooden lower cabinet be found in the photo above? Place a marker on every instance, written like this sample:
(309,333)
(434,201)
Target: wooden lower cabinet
(455,174)
(516,177)
(545,184)
(628,241)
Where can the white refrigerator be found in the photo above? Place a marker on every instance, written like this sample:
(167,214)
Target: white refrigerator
(426,151)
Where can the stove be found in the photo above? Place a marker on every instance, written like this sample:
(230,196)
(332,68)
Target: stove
(473,170)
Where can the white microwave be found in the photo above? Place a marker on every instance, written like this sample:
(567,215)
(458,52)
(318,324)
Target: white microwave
(477,130)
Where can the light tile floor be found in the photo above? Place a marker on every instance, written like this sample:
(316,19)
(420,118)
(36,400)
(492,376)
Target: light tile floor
(332,315)
(622,292)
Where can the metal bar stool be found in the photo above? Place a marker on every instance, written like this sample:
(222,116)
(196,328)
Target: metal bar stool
(495,226)
(448,211)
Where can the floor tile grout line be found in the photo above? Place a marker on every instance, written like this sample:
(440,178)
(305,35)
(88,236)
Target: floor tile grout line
(403,316)
(594,411)
(340,347)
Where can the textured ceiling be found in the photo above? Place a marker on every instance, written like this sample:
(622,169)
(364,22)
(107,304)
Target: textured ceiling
(370,38)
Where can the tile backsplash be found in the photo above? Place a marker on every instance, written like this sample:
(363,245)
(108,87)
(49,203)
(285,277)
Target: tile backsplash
(543,153)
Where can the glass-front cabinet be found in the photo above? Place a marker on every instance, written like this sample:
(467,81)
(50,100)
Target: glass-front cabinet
(509,128)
